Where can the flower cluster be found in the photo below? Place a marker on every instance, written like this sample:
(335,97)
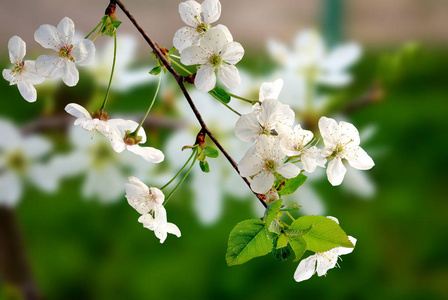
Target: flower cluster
(278,147)
(211,48)
(62,65)
(149,203)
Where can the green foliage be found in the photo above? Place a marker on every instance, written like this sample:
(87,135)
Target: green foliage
(204,166)
(324,233)
(291,185)
(109,26)
(210,152)
(298,245)
(290,207)
(247,240)
(220,94)
(156,70)
(281,251)
(271,212)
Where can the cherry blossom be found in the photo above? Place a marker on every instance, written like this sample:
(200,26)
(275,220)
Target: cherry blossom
(342,142)
(24,72)
(198,18)
(60,39)
(215,53)
(142,198)
(159,224)
(98,122)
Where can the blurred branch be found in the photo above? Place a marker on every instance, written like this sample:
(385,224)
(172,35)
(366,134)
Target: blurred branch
(180,81)
(14,266)
(374,95)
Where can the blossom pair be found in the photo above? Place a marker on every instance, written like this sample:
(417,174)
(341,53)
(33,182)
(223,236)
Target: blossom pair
(60,39)
(212,48)
(149,203)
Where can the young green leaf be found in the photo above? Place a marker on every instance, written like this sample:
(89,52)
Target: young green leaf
(116,23)
(247,240)
(220,94)
(172,50)
(296,232)
(155,70)
(298,245)
(281,254)
(282,241)
(204,166)
(275,227)
(210,152)
(290,207)
(324,233)
(291,185)
(272,211)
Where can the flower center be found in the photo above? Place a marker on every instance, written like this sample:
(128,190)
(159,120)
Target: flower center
(131,139)
(102,154)
(18,68)
(66,52)
(270,165)
(215,60)
(17,161)
(202,28)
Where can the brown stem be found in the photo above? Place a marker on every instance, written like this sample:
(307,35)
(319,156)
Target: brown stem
(180,80)
(14,267)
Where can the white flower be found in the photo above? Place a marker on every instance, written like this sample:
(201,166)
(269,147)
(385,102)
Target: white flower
(198,19)
(310,57)
(321,261)
(120,140)
(89,123)
(24,72)
(19,161)
(267,160)
(142,198)
(159,224)
(294,143)
(342,142)
(271,118)
(215,53)
(60,39)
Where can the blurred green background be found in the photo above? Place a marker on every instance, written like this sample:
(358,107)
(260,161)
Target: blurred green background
(84,249)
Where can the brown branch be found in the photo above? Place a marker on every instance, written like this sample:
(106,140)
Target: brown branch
(180,82)
(374,95)
(14,267)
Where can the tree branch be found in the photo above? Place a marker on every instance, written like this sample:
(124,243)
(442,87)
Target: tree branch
(180,82)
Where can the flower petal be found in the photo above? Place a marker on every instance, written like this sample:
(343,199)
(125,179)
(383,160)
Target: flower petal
(27,90)
(184,38)
(10,189)
(229,76)
(194,55)
(190,12)
(262,182)
(49,66)
(173,229)
(306,268)
(148,153)
(211,11)
(226,31)
(360,159)
(334,79)
(78,111)
(36,146)
(69,73)
(271,90)
(288,170)
(29,73)
(205,78)
(47,36)
(336,171)
(213,41)
(247,128)
(327,127)
(17,49)
(342,57)
(66,31)
(84,52)
(232,52)
(250,165)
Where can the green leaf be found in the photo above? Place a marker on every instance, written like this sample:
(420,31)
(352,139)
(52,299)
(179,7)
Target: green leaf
(116,23)
(291,185)
(272,211)
(290,207)
(282,241)
(210,152)
(281,254)
(155,70)
(246,241)
(220,94)
(324,233)
(298,245)
(296,232)
(274,229)
(204,166)
(172,50)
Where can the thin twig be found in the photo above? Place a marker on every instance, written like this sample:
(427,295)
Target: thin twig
(180,81)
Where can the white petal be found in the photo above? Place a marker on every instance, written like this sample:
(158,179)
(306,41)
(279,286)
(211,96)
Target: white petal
(78,111)
(326,261)
(359,183)
(262,182)
(229,76)
(247,128)
(184,38)
(84,52)
(278,51)
(336,171)
(36,146)
(69,73)
(190,12)
(27,90)
(17,49)
(250,165)
(360,160)
(345,250)
(29,73)
(205,78)
(10,76)
(49,66)
(226,32)
(271,90)
(288,170)
(334,79)
(47,36)
(44,177)
(173,229)
(232,52)
(211,11)
(66,31)
(213,41)
(194,55)
(306,269)
(148,221)
(10,136)
(327,127)
(148,153)
(10,189)
(342,57)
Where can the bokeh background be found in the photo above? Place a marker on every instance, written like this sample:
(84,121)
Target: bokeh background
(89,247)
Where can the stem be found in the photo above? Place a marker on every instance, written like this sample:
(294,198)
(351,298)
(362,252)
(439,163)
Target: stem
(241,98)
(112,72)
(180,171)
(226,105)
(175,56)
(150,106)
(180,66)
(99,24)
(180,81)
(289,215)
(182,180)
